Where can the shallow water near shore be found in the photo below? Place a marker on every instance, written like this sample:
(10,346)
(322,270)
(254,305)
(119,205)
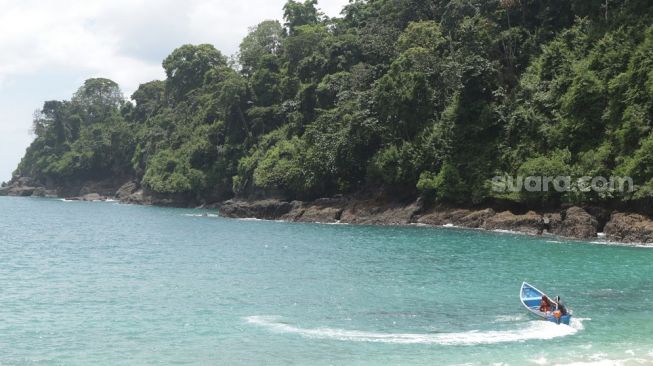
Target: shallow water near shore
(104,283)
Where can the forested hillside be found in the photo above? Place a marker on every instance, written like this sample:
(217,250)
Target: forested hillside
(410,97)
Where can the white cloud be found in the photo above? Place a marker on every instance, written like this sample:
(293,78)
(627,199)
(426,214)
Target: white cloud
(48,48)
(41,36)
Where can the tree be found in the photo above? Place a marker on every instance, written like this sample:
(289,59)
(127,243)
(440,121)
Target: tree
(97,99)
(446,185)
(148,98)
(187,66)
(262,40)
(52,124)
(425,34)
(296,14)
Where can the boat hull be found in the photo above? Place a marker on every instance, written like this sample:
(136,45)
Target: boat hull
(565,319)
(530,297)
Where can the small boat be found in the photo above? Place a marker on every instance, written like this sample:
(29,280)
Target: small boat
(531,297)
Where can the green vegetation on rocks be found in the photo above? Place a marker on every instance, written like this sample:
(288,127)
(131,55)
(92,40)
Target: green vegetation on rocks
(429,98)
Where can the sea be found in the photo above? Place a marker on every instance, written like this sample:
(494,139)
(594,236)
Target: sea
(104,283)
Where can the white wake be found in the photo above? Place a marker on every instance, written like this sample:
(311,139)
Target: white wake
(532,330)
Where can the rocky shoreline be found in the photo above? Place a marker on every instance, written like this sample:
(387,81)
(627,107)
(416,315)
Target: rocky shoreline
(571,222)
(125,191)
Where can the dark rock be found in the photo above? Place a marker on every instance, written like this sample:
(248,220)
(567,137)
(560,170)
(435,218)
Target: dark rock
(373,213)
(106,188)
(629,228)
(529,223)
(576,223)
(323,210)
(266,209)
(24,182)
(126,190)
(319,211)
(24,191)
(138,197)
(43,192)
(88,197)
(93,197)
(601,215)
(143,196)
(20,186)
(476,219)
(337,201)
(552,222)
(20,191)
(442,216)
(295,213)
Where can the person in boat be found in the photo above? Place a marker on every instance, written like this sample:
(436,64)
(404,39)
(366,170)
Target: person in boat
(545,305)
(560,306)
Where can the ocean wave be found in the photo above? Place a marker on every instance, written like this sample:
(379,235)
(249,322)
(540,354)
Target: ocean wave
(597,359)
(621,244)
(506,231)
(607,362)
(201,215)
(508,318)
(577,323)
(256,219)
(532,330)
(512,232)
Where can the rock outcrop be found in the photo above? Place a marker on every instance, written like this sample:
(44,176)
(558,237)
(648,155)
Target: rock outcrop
(138,197)
(323,211)
(22,187)
(476,219)
(88,197)
(127,190)
(632,228)
(576,223)
(265,209)
(552,221)
(43,192)
(375,213)
(440,216)
(529,223)
(364,212)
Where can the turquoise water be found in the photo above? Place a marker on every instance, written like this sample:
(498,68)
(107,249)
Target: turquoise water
(85,283)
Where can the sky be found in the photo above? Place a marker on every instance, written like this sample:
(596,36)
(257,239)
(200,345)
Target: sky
(48,48)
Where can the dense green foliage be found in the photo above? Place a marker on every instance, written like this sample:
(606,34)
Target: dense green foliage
(414,97)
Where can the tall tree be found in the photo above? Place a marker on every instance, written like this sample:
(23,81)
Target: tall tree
(187,66)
